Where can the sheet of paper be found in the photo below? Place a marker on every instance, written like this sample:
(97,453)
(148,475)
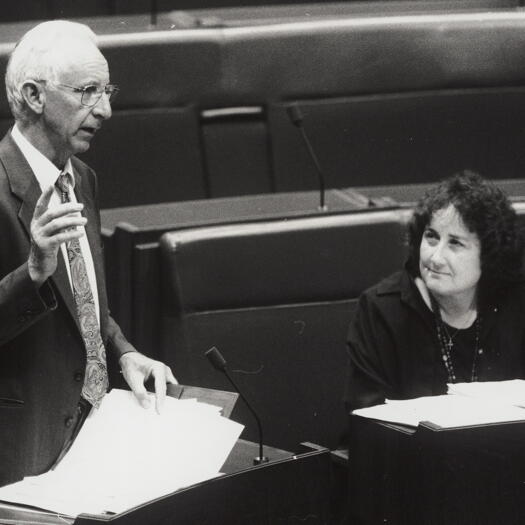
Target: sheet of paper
(125,456)
(510,392)
(447,411)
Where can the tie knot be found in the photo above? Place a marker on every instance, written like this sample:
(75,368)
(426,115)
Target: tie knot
(63,183)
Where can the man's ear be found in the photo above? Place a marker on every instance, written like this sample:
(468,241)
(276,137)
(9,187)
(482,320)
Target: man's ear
(34,96)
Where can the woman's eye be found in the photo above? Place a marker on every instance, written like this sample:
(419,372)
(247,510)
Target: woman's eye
(456,243)
(430,235)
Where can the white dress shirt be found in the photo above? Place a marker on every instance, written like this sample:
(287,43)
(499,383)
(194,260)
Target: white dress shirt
(47,174)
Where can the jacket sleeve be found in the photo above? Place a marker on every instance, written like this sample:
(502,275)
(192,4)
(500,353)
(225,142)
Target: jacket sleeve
(22,303)
(117,342)
(370,354)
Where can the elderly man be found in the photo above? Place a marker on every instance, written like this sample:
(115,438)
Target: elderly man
(55,326)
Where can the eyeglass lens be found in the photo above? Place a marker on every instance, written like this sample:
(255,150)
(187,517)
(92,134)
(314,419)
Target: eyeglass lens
(91,95)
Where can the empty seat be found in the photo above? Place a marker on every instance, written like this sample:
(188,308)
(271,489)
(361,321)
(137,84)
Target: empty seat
(276,298)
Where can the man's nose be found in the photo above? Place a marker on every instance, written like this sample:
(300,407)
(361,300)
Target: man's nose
(103,107)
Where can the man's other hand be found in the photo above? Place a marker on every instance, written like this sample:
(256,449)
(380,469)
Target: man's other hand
(137,369)
(49,229)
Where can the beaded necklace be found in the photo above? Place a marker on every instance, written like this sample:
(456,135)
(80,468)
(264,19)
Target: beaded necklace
(446,344)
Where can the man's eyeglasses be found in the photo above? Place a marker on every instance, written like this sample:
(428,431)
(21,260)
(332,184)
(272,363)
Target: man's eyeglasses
(90,95)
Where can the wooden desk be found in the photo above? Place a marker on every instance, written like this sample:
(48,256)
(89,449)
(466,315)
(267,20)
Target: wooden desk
(432,476)
(289,485)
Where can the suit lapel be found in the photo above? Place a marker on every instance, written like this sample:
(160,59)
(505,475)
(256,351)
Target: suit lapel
(25,186)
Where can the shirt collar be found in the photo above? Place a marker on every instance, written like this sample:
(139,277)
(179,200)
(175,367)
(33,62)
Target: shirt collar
(45,171)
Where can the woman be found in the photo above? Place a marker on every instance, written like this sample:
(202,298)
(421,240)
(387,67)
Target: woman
(456,312)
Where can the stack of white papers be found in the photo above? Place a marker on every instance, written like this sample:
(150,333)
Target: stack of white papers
(510,392)
(125,456)
(466,404)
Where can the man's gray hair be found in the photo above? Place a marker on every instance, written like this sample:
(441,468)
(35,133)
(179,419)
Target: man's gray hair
(41,54)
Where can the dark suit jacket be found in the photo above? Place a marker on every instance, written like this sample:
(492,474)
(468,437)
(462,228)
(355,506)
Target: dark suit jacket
(42,354)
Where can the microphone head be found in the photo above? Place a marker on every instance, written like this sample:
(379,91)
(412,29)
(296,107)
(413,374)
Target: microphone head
(216,359)
(295,115)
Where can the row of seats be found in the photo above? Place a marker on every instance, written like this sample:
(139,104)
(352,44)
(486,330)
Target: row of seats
(50,9)
(274,293)
(312,264)
(387,99)
(131,241)
(276,298)
(131,235)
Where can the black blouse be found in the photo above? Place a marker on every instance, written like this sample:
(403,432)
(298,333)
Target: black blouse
(463,351)
(394,350)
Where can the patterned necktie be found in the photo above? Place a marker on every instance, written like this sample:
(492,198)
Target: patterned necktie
(96,377)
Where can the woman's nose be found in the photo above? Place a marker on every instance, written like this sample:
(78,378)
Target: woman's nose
(437,256)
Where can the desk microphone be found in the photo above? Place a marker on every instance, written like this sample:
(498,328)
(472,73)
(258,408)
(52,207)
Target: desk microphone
(153,12)
(218,362)
(296,117)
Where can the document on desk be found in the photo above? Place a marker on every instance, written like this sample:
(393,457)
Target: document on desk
(511,392)
(126,455)
(446,411)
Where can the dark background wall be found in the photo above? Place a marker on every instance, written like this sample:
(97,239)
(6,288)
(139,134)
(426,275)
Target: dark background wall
(390,96)
(48,9)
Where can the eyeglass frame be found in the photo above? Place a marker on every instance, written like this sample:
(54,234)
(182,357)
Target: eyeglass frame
(114,89)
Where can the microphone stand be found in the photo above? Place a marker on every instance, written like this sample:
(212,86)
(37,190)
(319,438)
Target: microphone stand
(219,363)
(296,117)
(153,13)
(320,176)
(260,458)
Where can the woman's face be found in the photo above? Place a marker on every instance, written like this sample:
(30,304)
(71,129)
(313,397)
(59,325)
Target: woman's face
(449,256)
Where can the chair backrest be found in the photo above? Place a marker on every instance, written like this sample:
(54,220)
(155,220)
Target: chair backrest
(390,98)
(276,298)
(131,237)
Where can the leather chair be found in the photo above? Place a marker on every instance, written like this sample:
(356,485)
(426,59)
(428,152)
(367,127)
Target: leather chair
(275,297)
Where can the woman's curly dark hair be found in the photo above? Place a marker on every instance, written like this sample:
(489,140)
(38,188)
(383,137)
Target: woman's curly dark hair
(486,211)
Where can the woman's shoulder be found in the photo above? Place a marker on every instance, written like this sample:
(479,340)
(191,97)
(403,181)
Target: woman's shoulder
(386,307)
(394,284)
(387,297)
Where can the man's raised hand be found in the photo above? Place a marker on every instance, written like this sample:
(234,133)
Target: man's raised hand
(49,229)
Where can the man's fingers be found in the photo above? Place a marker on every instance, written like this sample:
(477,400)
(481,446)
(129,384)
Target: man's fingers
(62,210)
(66,236)
(139,390)
(163,375)
(48,242)
(137,368)
(62,224)
(170,378)
(160,389)
(143,399)
(43,202)
(135,380)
